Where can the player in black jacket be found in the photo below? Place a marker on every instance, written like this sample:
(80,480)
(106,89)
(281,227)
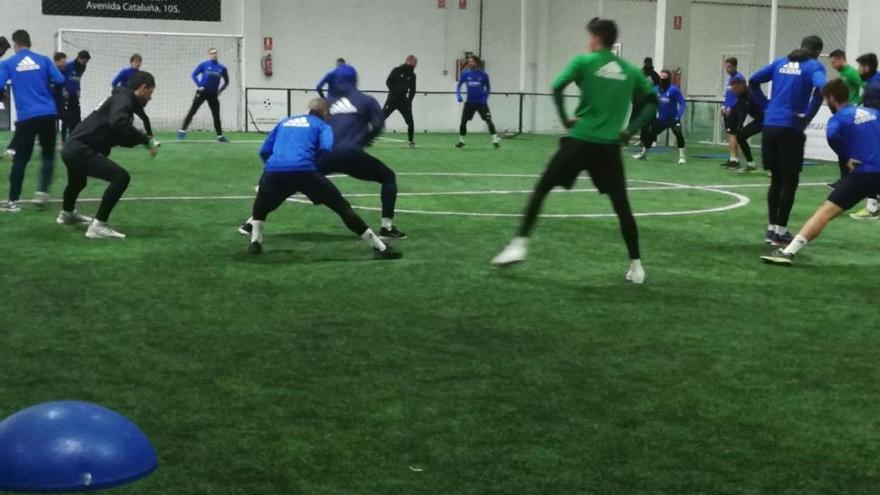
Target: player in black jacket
(401,91)
(86,153)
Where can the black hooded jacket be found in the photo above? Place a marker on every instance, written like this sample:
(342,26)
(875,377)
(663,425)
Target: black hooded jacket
(402,83)
(111,124)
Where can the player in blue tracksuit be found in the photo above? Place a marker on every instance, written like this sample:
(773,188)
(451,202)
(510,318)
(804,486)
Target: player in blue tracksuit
(290,154)
(870,98)
(731,67)
(125,74)
(121,80)
(478,91)
(854,134)
(797,83)
(59,91)
(358,119)
(669,115)
(31,75)
(329,80)
(73,73)
(749,103)
(211,78)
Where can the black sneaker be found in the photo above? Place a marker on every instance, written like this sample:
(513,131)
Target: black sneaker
(768,237)
(778,257)
(459,145)
(497,146)
(246,229)
(255,248)
(726,164)
(388,254)
(731,165)
(782,239)
(391,233)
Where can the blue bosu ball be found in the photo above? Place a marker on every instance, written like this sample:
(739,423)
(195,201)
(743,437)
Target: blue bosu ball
(71,446)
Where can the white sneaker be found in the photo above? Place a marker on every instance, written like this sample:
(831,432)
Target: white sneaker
(636,273)
(515,252)
(41,199)
(10,207)
(102,231)
(640,156)
(72,218)
(682,161)
(10,153)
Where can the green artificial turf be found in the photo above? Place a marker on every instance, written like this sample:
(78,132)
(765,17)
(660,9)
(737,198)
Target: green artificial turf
(314,369)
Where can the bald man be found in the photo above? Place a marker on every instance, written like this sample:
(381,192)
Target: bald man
(401,91)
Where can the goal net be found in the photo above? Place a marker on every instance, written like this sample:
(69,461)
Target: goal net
(171,58)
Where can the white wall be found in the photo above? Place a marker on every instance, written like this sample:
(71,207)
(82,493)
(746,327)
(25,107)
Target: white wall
(17,14)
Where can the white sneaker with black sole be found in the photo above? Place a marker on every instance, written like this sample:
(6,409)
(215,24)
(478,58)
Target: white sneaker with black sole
(10,207)
(100,230)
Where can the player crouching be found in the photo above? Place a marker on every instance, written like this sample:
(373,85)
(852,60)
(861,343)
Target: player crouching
(853,133)
(290,154)
(86,153)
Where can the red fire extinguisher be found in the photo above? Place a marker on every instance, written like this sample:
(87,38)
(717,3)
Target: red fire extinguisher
(266,63)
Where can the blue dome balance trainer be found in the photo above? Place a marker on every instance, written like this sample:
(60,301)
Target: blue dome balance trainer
(70,447)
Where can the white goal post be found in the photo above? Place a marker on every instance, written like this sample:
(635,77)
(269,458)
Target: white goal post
(171,58)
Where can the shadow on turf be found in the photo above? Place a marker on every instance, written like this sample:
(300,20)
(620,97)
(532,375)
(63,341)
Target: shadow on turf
(314,237)
(276,256)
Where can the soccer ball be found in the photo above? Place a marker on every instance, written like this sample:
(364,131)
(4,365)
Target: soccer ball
(267,103)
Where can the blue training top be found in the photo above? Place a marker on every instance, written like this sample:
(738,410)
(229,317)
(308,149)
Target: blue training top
(72,75)
(796,96)
(356,118)
(672,104)
(478,87)
(730,98)
(854,133)
(296,143)
(343,74)
(31,75)
(123,76)
(208,75)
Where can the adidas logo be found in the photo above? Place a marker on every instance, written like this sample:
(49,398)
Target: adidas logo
(611,70)
(863,116)
(27,64)
(791,68)
(341,106)
(296,122)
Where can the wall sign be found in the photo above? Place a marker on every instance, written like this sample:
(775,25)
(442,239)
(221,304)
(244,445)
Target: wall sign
(177,10)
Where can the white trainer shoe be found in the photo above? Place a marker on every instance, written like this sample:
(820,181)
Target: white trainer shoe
(10,207)
(515,252)
(640,156)
(102,231)
(72,218)
(636,273)
(41,199)
(682,161)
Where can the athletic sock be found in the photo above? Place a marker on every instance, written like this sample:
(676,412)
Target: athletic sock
(387,223)
(257,231)
(633,264)
(461,139)
(796,245)
(98,223)
(373,240)
(681,152)
(751,164)
(872,205)
(771,228)
(781,229)
(495,138)
(734,159)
